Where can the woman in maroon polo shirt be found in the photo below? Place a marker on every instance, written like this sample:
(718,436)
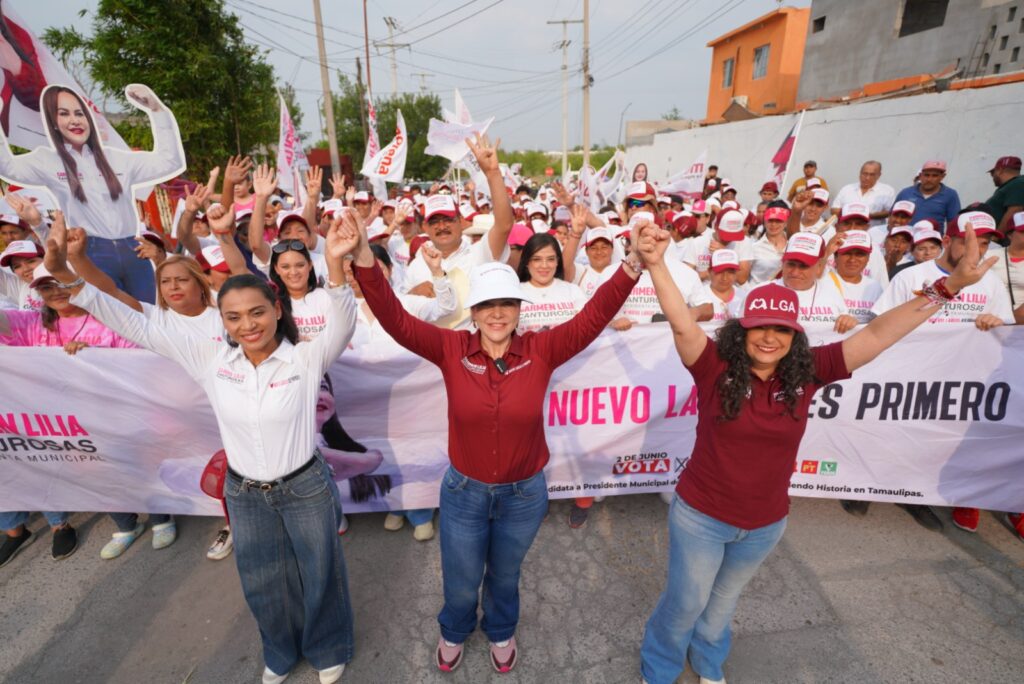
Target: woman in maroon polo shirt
(755,382)
(494,496)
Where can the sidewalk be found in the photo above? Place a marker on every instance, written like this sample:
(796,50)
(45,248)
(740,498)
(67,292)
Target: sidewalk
(842,599)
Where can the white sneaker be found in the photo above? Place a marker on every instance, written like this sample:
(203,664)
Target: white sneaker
(271,677)
(164,534)
(332,674)
(222,545)
(343,527)
(393,522)
(120,541)
(424,532)
(705,680)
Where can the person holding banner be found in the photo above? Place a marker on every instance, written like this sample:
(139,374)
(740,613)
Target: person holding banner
(263,385)
(755,383)
(93,185)
(494,495)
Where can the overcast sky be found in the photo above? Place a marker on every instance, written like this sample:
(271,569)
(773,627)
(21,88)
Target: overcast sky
(501,54)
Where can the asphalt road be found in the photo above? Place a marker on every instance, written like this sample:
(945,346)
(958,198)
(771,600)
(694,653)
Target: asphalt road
(842,599)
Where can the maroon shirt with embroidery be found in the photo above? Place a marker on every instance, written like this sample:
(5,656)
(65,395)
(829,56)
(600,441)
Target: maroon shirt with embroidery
(495,421)
(739,470)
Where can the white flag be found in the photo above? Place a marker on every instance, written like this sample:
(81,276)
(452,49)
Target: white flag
(389,163)
(448,139)
(689,182)
(291,160)
(372,140)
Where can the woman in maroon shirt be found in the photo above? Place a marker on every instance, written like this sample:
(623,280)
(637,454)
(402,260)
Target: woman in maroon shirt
(494,496)
(754,382)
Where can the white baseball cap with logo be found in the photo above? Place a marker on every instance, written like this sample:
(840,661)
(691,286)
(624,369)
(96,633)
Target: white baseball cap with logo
(855,239)
(494,280)
(724,259)
(730,225)
(904,207)
(805,247)
(361,196)
(442,205)
(214,257)
(855,210)
(20,248)
(536,208)
(925,232)
(819,195)
(598,233)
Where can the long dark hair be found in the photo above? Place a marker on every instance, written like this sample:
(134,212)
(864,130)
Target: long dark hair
(50,96)
(536,243)
(362,487)
(286,328)
(381,255)
(795,371)
(49,317)
(311,281)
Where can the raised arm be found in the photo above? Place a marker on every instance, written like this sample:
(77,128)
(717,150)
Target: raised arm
(234,173)
(445,301)
(800,202)
(314,181)
(74,240)
(487,158)
(168,155)
(195,199)
(572,244)
(264,180)
(888,328)
(222,226)
(689,338)
(27,212)
(341,320)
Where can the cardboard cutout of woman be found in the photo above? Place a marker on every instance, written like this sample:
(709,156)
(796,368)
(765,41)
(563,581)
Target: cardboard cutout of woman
(93,184)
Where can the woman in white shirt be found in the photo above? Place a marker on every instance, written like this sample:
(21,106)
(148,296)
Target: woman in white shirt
(769,249)
(93,184)
(550,300)
(263,385)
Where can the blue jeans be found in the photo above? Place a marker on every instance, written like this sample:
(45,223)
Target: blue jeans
(709,563)
(291,567)
(126,522)
(117,258)
(486,530)
(10,520)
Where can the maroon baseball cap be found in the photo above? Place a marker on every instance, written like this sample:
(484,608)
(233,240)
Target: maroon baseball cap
(771,186)
(771,304)
(1006,163)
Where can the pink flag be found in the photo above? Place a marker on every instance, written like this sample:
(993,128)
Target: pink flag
(780,161)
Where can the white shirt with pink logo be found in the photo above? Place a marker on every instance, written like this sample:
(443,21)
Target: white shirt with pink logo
(588,280)
(16,289)
(697,251)
(726,309)
(987,296)
(860,297)
(551,305)
(821,303)
(642,303)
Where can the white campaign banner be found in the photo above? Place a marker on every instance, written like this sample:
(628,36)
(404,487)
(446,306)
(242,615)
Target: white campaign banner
(937,419)
(291,159)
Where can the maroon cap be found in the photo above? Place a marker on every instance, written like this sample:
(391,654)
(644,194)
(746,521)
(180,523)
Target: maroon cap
(1006,163)
(771,304)
(770,185)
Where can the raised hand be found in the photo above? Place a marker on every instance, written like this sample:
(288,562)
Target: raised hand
(25,209)
(562,195)
(350,196)
(314,181)
(264,180)
(970,269)
(76,242)
(485,153)
(650,241)
(147,249)
(236,169)
(196,198)
(343,237)
(375,208)
(56,257)
(337,186)
(801,200)
(579,220)
(432,257)
(211,183)
(221,220)
(142,96)
(403,212)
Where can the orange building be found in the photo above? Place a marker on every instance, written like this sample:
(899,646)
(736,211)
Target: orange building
(755,69)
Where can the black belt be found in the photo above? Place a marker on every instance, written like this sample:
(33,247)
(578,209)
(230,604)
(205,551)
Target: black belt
(267,486)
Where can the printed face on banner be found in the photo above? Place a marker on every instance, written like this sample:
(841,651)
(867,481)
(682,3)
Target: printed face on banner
(93,183)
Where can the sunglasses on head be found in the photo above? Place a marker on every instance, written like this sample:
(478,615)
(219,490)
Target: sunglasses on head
(636,203)
(285,245)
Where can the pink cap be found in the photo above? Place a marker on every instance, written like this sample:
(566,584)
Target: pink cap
(807,248)
(730,225)
(724,259)
(905,207)
(771,304)
(699,207)
(519,234)
(934,165)
(855,239)
(442,205)
(776,214)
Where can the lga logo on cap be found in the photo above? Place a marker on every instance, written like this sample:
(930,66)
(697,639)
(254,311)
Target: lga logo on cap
(904,207)
(771,304)
(442,205)
(855,210)
(807,248)
(983,224)
(724,259)
(730,225)
(493,280)
(855,239)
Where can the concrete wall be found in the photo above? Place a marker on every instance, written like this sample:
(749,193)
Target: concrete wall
(969,129)
(860,43)
(643,132)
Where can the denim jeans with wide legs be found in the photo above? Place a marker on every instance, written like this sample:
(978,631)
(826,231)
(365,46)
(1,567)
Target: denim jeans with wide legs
(291,566)
(117,258)
(709,563)
(126,522)
(10,520)
(486,530)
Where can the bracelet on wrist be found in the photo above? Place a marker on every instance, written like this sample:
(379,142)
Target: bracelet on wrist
(936,292)
(73,284)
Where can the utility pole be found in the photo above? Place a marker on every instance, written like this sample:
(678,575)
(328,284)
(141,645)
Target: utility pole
(392,24)
(423,79)
(586,82)
(325,79)
(362,100)
(366,41)
(565,91)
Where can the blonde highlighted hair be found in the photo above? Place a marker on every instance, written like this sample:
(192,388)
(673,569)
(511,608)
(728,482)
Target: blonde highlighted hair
(194,270)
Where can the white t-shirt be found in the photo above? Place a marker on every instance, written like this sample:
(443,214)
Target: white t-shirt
(1009,272)
(318,261)
(822,303)
(767,262)
(724,310)
(879,197)
(875,269)
(468,255)
(642,303)
(588,280)
(859,297)
(310,313)
(206,326)
(987,296)
(551,305)
(698,250)
(18,291)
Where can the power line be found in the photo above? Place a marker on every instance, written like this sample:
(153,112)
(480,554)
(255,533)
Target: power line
(440,16)
(456,23)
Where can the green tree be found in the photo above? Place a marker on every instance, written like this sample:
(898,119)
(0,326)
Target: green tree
(417,110)
(673,114)
(193,54)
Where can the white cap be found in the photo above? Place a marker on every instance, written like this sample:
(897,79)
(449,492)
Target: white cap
(610,216)
(376,229)
(39,276)
(805,247)
(393,203)
(539,226)
(243,214)
(215,258)
(563,214)
(466,210)
(438,204)
(483,200)
(858,209)
(730,225)
(493,280)
(12,219)
(332,206)
(813,182)
(664,199)
(597,233)
(819,195)
(855,239)
(730,204)
(361,196)
(904,207)
(925,232)
(286,216)
(481,224)
(535,208)
(722,259)
(20,248)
